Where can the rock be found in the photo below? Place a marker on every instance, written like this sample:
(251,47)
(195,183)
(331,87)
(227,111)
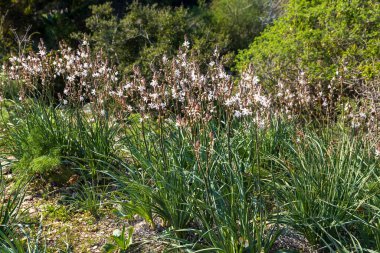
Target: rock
(5,170)
(28,198)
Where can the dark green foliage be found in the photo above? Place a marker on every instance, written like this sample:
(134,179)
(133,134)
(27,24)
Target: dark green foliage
(52,21)
(147,32)
(137,32)
(242,20)
(320,38)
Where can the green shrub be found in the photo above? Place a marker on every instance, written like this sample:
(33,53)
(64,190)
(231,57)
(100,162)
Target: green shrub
(146,32)
(143,34)
(44,164)
(320,38)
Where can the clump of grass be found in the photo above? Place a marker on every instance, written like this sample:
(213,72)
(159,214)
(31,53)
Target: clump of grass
(14,237)
(45,140)
(87,197)
(204,187)
(326,190)
(9,206)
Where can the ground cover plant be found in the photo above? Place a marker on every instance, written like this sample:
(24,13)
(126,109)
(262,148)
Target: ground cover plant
(181,154)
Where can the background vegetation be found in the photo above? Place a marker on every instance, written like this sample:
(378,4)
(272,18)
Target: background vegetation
(226,126)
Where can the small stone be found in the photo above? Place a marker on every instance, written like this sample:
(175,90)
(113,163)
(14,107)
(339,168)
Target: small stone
(28,197)
(5,170)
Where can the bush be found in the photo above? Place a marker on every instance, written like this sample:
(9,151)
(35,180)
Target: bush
(145,33)
(324,39)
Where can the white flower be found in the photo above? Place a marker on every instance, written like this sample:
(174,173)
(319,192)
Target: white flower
(42,53)
(355,124)
(237,114)
(154,83)
(93,92)
(164,59)
(141,88)
(65,102)
(255,80)
(210,96)
(127,86)
(260,123)
(153,106)
(377,152)
(246,112)
(154,95)
(13,59)
(71,78)
(116,233)
(229,101)
(186,44)
(216,52)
